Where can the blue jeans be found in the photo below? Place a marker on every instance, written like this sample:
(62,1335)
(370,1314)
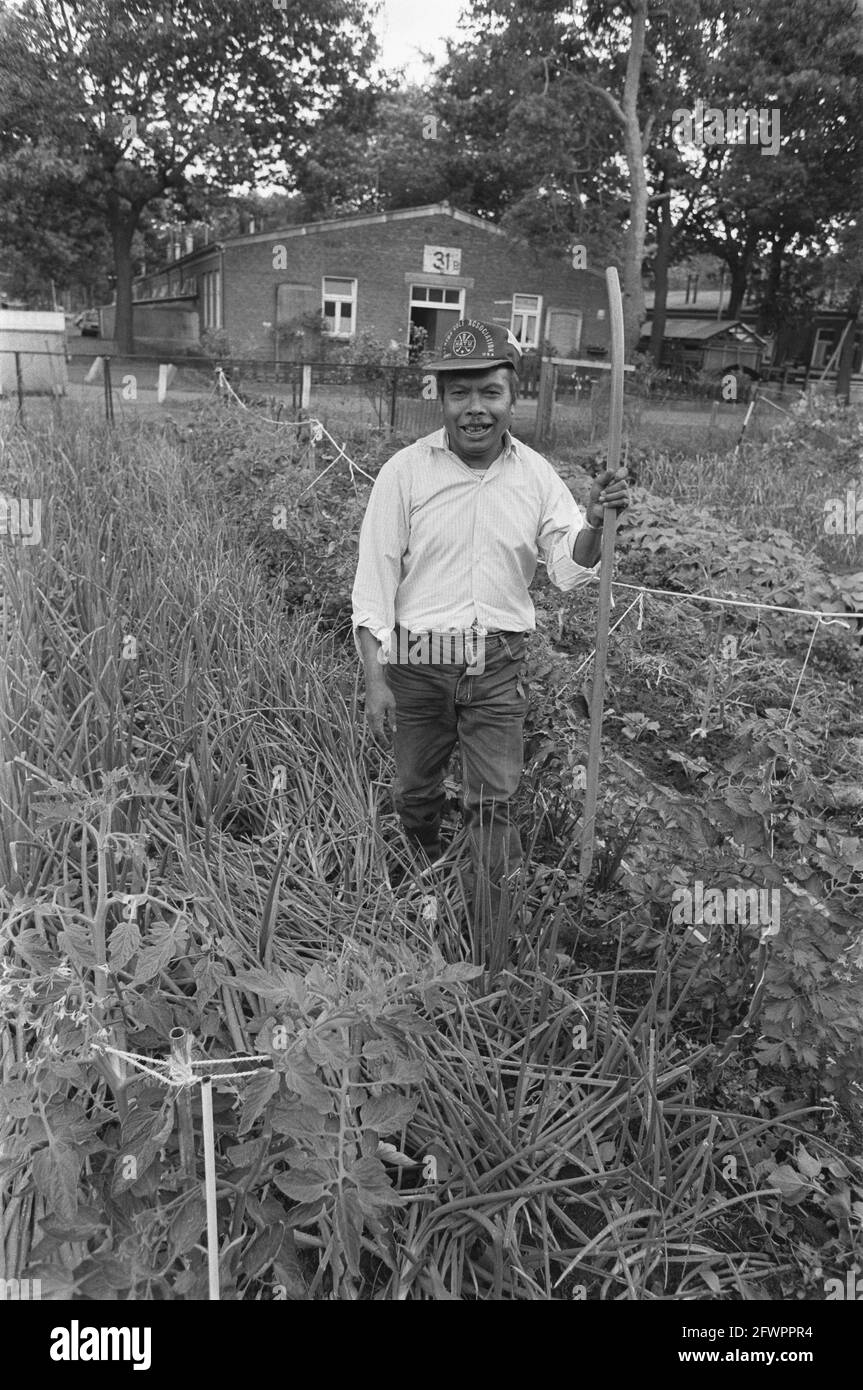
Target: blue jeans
(439,705)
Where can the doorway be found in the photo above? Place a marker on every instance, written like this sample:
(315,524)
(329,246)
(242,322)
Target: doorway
(434,310)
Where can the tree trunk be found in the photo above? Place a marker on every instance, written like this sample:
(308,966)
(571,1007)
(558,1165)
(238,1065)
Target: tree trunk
(767,314)
(660,275)
(740,268)
(846,357)
(123,224)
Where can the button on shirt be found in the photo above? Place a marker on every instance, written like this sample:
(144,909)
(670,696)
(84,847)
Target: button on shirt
(444,546)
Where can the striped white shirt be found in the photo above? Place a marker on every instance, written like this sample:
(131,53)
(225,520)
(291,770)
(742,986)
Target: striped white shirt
(443,547)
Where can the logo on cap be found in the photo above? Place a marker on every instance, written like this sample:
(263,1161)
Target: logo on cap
(464,344)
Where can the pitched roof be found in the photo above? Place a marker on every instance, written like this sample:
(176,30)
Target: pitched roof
(367,219)
(702,329)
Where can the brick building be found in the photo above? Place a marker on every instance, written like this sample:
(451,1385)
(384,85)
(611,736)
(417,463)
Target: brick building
(386,274)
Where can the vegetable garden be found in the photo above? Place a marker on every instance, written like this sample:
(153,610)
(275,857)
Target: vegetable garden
(198,836)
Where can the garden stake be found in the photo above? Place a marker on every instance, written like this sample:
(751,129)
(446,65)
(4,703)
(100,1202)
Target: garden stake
(711,675)
(747,417)
(181,1053)
(210,1185)
(609,528)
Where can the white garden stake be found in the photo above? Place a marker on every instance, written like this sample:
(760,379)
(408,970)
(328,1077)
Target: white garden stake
(210,1185)
(609,528)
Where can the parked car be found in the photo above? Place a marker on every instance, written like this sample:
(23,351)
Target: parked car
(88,322)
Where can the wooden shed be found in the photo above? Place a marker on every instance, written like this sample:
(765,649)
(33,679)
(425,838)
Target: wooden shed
(690,346)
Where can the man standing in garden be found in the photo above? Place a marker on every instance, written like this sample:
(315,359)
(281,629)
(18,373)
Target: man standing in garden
(455,526)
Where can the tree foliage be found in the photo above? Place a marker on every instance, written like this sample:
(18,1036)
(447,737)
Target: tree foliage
(118,105)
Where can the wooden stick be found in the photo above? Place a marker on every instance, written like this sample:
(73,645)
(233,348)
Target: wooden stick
(210,1185)
(609,529)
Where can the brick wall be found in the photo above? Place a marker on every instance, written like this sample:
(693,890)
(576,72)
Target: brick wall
(380,256)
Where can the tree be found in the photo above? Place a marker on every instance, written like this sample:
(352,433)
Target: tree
(801,60)
(546,101)
(121,103)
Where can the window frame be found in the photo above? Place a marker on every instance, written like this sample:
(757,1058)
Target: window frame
(340,300)
(527,314)
(211,298)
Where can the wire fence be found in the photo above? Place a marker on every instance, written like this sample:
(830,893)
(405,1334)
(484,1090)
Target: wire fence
(400,399)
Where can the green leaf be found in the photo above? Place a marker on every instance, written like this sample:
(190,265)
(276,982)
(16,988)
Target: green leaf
(374,1188)
(301,1186)
(257,1092)
(301,1077)
(275,984)
(404,1071)
(388,1153)
(248,1154)
(146,1130)
(76,942)
(389,1113)
(791,1186)
(710,1278)
(123,942)
(17,1099)
(163,944)
(262,1250)
(349,1226)
(304,1214)
(810,1167)
(326,1050)
(187,1226)
(55,1174)
(298,1121)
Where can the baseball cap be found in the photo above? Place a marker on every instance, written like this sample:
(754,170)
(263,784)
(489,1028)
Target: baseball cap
(472,345)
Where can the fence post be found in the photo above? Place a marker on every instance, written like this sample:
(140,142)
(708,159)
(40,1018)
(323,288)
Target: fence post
(545,400)
(20,386)
(109,399)
(394,398)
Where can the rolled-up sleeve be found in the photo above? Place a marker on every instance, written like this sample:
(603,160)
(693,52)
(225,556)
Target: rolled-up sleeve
(384,537)
(561,522)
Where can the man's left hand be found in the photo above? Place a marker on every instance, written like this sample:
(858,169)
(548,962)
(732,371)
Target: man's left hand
(608,490)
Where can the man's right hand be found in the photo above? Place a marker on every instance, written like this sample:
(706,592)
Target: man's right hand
(381,712)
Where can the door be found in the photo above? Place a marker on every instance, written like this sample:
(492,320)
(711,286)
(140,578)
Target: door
(434,310)
(563,330)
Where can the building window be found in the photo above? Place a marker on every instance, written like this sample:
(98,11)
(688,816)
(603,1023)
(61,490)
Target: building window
(211,299)
(432,294)
(825,344)
(339,306)
(526,318)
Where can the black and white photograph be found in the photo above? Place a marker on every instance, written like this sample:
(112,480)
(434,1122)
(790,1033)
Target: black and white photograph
(431,669)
